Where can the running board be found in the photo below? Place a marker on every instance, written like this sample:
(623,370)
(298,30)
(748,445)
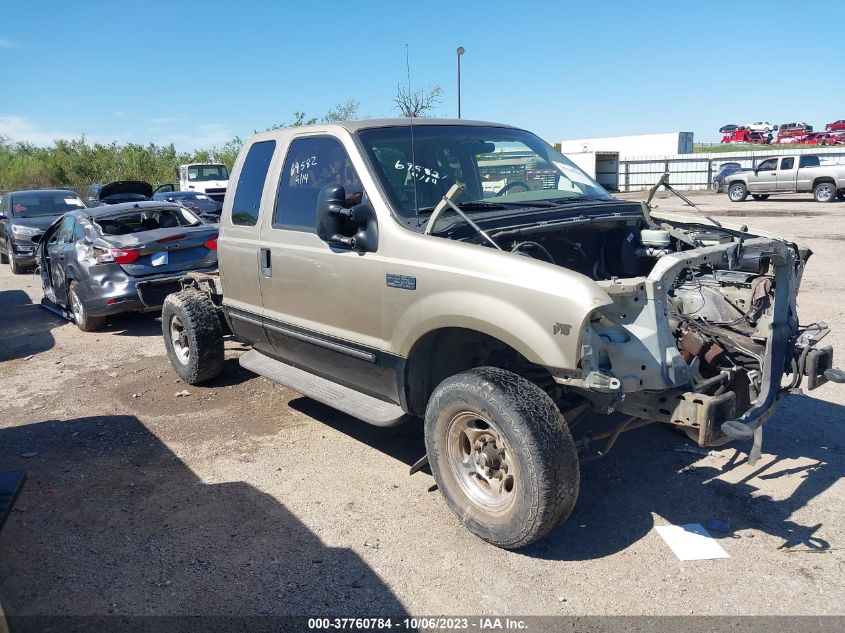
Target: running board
(354,403)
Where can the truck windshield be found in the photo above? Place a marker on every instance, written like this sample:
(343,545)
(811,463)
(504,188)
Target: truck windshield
(497,167)
(208,172)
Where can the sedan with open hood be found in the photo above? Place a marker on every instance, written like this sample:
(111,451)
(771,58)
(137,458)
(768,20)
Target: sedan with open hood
(97,262)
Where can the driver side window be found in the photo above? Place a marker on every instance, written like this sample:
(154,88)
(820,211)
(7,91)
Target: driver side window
(65,233)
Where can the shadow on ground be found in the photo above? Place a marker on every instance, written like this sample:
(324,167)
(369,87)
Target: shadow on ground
(134,324)
(621,493)
(139,533)
(25,327)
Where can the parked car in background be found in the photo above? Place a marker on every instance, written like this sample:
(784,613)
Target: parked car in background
(762,126)
(199,203)
(836,126)
(93,261)
(818,138)
(794,139)
(725,170)
(24,215)
(800,128)
(789,174)
(92,196)
(125,191)
(744,135)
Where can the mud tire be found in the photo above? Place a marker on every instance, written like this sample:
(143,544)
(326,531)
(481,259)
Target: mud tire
(202,336)
(545,460)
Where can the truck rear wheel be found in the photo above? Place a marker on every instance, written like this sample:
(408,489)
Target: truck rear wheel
(193,336)
(840,195)
(824,192)
(760,196)
(502,456)
(737,192)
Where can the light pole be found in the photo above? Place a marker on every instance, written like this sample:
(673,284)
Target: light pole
(460,52)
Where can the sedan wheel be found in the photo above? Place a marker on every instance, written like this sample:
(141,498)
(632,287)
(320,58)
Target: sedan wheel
(83,320)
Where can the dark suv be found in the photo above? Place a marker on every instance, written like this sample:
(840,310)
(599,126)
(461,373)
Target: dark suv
(25,214)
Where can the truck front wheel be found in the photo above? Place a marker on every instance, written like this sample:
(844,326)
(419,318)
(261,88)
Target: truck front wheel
(737,192)
(192,336)
(502,456)
(824,192)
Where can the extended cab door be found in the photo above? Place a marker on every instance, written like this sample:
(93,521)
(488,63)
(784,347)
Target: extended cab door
(764,179)
(237,245)
(322,302)
(804,176)
(786,174)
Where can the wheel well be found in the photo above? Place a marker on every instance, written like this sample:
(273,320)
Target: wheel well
(822,179)
(449,351)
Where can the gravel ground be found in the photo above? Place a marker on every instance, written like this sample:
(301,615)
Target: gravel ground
(246,498)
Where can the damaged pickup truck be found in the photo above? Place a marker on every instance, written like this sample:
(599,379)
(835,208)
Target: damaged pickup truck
(470,275)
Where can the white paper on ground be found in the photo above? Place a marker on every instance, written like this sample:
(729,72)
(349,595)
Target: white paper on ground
(691,542)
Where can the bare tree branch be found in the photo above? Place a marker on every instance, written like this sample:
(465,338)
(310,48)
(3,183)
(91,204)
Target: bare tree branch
(417,103)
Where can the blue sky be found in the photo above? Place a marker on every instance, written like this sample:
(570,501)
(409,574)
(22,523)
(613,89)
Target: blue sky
(198,73)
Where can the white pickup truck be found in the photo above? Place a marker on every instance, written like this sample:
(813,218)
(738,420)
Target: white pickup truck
(212,179)
(789,174)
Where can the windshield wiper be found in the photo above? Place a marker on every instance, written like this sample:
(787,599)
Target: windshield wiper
(471,204)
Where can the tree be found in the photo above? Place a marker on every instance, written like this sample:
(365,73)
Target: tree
(417,103)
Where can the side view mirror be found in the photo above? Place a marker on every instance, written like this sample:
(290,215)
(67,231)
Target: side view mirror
(2,216)
(343,223)
(35,239)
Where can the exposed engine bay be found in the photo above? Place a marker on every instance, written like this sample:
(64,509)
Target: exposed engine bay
(703,331)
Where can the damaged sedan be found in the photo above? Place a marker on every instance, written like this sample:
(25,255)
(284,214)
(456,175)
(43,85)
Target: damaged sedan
(97,262)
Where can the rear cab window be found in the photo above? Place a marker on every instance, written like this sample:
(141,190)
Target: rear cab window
(311,164)
(250,184)
(809,161)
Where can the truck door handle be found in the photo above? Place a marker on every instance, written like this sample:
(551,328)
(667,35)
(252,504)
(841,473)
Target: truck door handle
(266,263)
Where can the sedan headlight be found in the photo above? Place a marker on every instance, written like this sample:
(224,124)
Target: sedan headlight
(24,231)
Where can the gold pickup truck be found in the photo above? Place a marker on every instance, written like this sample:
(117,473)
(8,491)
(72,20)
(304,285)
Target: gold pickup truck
(468,277)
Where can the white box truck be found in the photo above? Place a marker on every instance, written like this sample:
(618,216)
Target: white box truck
(212,179)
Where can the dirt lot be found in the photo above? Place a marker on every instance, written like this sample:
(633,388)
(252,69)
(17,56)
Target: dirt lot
(246,498)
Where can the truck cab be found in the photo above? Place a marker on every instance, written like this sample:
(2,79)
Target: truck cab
(211,179)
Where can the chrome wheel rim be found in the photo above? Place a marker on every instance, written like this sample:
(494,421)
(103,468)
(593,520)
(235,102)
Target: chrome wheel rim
(736,192)
(481,461)
(76,308)
(824,192)
(179,339)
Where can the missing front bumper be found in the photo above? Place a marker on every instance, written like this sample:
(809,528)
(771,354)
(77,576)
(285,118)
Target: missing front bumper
(700,413)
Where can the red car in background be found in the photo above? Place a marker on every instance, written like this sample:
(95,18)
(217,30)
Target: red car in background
(822,138)
(836,126)
(744,135)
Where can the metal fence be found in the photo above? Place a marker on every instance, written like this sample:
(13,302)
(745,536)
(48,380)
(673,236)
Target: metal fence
(696,171)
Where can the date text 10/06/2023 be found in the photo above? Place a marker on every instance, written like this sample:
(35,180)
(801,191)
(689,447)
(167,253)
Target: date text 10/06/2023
(481,624)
